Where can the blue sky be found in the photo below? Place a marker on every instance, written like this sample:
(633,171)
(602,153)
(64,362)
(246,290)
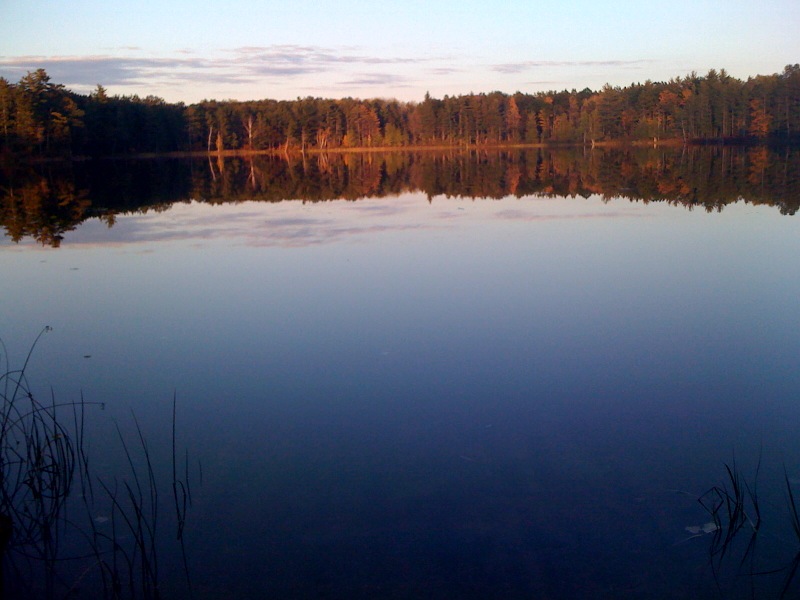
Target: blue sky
(188,50)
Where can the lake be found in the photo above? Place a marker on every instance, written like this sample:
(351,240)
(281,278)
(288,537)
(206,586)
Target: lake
(441,374)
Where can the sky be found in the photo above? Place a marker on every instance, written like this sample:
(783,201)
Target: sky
(190,50)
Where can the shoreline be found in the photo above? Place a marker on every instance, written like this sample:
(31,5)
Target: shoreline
(295,152)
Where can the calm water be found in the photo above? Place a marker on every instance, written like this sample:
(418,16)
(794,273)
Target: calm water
(425,392)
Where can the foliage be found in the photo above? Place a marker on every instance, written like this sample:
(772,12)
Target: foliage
(44,119)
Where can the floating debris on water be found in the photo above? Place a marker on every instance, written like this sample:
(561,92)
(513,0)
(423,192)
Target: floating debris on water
(709,527)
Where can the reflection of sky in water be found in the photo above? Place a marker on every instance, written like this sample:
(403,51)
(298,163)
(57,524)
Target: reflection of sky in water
(501,388)
(299,224)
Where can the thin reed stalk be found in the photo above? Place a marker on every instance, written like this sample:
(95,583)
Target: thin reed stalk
(738,525)
(44,461)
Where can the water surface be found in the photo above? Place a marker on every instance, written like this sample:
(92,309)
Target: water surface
(418,394)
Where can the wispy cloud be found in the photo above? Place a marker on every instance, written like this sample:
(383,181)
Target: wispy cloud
(123,48)
(380,79)
(108,70)
(247,64)
(528,65)
(442,71)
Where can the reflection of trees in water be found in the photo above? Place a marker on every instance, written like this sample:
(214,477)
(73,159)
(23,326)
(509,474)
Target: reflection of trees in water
(43,208)
(697,176)
(45,205)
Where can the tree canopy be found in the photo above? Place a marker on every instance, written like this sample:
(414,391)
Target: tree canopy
(42,118)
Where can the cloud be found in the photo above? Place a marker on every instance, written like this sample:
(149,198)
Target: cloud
(126,48)
(242,65)
(316,55)
(380,79)
(443,71)
(108,70)
(520,67)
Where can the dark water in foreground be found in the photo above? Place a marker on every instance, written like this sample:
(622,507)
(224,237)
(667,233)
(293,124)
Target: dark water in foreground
(425,392)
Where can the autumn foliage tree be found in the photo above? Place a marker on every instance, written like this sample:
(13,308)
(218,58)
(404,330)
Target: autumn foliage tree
(41,118)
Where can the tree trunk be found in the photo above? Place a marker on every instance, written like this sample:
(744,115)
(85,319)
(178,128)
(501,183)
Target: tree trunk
(249,127)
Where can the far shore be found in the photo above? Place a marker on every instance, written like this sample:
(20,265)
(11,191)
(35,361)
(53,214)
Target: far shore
(297,151)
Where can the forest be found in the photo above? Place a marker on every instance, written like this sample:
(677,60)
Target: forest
(39,118)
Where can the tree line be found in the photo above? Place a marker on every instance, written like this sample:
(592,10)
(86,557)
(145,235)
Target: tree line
(42,118)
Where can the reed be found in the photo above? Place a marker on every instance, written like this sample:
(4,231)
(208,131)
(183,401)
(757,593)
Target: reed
(48,496)
(735,509)
(792,567)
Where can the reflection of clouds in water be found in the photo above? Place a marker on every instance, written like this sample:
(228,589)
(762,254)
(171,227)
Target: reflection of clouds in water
(450,215)
(308,237)
(301,225)
(294,221)
(520,215)
(384,209)
(260,228)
